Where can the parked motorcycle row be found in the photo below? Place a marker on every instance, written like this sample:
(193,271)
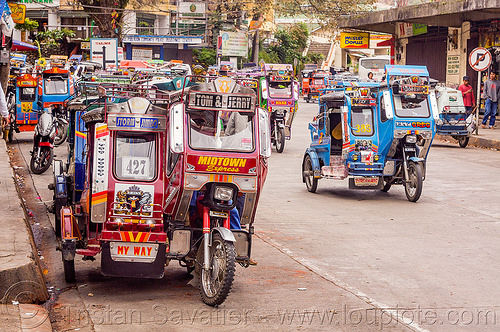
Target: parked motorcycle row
(168,166)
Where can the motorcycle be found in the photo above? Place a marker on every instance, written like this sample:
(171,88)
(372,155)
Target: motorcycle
(61,125)
(43,142)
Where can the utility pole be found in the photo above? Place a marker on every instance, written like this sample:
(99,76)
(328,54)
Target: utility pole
(255,47)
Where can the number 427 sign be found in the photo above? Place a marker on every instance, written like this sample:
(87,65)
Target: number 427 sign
(480,59)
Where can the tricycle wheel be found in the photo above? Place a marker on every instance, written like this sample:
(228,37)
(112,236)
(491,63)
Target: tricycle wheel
(216,281)
(311,181)
(463,141)
(387,186)
(414,183)
(69,270)
(280,140)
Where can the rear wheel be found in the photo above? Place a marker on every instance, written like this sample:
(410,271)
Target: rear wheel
(40,164)
(280,139)
(61,133)
(414,183)
(217,280)
(308,173)
(463,141)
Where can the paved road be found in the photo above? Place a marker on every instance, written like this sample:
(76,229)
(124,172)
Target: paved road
(339,259)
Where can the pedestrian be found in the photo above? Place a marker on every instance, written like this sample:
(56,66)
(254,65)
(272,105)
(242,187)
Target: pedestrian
(491,92)
(467,94)
(4,112)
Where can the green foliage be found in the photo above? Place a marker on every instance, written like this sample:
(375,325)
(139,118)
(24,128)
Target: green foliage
(316,58)
(290,43)
(205,56)
(28,25)
(54,37)
(269,57)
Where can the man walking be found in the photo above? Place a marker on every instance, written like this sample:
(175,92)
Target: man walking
(491,92)
(467,94)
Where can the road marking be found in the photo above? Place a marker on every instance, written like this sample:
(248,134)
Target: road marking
(395,314)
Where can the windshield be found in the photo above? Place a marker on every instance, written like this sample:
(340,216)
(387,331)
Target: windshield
(55,86)
(280,89)
(411,106)
(135,156)
(373,63)
(362,121)
(219,130)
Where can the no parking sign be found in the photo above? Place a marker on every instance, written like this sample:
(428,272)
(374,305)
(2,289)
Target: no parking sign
(480,59)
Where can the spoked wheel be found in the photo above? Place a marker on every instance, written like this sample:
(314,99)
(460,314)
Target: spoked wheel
(463,141)
(69,270)
(61,134)
(216,282)
(280,140)
(307,169)
(413,185)
(40,164)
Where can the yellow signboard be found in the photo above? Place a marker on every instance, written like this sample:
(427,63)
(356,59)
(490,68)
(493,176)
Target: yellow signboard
(18,12)
(354,40)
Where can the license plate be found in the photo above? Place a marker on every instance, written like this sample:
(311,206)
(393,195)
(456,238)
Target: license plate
(366,181)
(218,214)
(409,149)
(133,252)
(315,97)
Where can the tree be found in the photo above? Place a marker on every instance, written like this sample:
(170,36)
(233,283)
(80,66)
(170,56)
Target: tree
(205,56)
(290,43)
(107,14)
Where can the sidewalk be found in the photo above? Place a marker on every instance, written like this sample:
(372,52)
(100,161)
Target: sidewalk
(21,281)
(486,138)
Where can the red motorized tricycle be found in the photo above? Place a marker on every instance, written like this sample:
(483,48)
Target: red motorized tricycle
(172,181)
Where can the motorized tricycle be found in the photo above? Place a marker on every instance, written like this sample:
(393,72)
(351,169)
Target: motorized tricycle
(375,135)
(316,81)
(454,119)
(281,93)
(175,180)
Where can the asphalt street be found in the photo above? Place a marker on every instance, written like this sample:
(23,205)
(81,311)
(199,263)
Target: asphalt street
(339,259)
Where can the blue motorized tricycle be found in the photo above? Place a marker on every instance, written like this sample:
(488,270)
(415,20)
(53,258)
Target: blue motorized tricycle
(374,134)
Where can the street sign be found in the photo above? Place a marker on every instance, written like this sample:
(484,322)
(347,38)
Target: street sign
(480,59)
(104,51)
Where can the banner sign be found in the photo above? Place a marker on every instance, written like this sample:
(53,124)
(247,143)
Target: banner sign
(354,40)
(234,43)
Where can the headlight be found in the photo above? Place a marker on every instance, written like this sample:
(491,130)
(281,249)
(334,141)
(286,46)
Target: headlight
(376,157)
(223,193)
(119,221)
(280,112)
(354,157)
(411,139)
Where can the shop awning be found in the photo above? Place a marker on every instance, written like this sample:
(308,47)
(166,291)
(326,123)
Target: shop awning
(22,46)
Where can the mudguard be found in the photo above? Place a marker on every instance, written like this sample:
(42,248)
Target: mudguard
(226,234)
(420,161)
(315,163)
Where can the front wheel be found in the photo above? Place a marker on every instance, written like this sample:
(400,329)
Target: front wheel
(216,281)
(280,139)
(414,183)
(463,141)
(40,162)
(308,174)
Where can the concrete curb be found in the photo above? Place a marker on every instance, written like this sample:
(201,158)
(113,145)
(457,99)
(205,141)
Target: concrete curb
(21,278)
(481,142)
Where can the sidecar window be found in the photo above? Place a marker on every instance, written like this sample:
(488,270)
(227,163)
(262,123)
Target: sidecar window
(362,121)
(27,94)
(135,156)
